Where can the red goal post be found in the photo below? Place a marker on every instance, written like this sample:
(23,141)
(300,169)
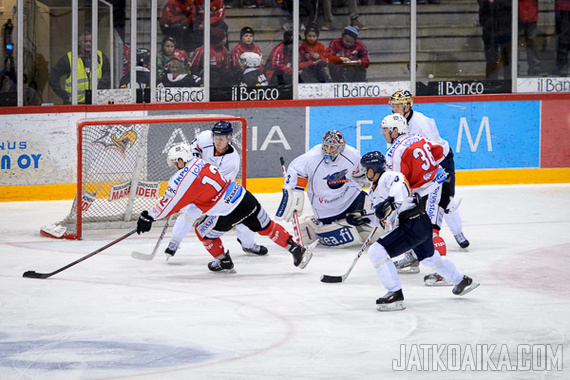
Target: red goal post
(122,169)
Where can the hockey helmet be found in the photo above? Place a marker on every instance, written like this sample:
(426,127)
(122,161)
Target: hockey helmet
(223,128)
(333,145)
(143,57)
(177,151)
(401,97)
(250,59)
(392,121)
(375,161)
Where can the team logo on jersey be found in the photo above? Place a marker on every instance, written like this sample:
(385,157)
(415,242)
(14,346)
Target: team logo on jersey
(113,138)
(337,180)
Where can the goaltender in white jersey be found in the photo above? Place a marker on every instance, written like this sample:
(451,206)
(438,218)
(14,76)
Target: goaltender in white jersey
(215,148)
(329,171)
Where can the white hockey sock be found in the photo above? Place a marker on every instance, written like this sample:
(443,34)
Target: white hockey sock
(245,236)
(182,226)
(453,221)
(384,267)
(444,267)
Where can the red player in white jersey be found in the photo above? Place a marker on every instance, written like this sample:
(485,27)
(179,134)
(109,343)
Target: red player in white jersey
(401,206)
(202,188)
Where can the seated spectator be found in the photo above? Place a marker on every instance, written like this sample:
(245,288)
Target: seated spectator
(177,21)
(245,44)
(143,71)
(313,57)
(279,65)
(163,56)
(348,57)
(177,74)
(220,73)
(217,16)
(252,76)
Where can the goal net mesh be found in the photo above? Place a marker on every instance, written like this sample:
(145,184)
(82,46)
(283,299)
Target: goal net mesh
(122,168)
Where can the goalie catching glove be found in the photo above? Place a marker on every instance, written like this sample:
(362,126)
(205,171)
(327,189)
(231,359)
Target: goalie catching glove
(385,208)
(291,201)
(144,223)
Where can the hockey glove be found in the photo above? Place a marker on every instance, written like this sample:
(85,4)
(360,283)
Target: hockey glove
(385,208)
(356,220)
(144,223)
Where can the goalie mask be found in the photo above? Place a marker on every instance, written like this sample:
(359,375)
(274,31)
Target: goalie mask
(177,151)
(375,161)
(333,145)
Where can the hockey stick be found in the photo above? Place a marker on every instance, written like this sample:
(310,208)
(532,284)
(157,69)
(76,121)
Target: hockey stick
(34,274)
(144,256)
(333,279)
(296,225)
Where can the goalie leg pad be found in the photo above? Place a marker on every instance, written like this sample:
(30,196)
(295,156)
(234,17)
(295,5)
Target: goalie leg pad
(308,227)
(53,231)
(337,235)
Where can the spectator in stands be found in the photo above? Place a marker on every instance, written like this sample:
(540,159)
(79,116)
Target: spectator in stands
(348,57)
(63,69)
(252,76)
(177,74)
(167,47)
(217,16)
(353,13)
(313,57)
(495,18)
(562,17)
(528,19)
(220,73)
(177,21)
(245,44)
(279,65)
(143,71)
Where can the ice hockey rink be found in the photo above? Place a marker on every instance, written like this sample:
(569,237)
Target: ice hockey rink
(114,317)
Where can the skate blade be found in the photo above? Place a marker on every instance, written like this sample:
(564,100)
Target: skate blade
(307,256)
(473,286)
(395,306)
(438,283)
(409,270)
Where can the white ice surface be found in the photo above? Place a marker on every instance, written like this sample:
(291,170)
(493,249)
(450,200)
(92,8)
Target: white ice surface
(113,317)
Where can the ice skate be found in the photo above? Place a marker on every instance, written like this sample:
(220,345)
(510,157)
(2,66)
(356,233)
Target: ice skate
(301,256)
(259,250)
(461,240)
(171,250)
(465,286)
(434,279)
(391,301)
(222,263)
(408,265)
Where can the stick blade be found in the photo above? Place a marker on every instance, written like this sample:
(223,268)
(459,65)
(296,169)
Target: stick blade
(141,256)
(34,274)
(330,279)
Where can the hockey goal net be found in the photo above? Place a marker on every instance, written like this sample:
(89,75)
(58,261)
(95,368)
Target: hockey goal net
(122,168)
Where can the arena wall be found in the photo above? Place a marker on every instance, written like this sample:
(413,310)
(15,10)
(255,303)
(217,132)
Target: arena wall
(497,139)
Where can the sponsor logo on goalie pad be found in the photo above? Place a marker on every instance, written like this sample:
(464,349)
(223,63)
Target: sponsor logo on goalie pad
(338,236)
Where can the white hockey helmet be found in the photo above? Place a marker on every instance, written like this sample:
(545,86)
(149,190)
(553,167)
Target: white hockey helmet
(395,120)
(333,145)
(177,151)
(250,59)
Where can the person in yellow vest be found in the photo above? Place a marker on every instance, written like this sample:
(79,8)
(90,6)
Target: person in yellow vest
(63,69)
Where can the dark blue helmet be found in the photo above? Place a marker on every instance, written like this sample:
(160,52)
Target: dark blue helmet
(223,128)
(375,161)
